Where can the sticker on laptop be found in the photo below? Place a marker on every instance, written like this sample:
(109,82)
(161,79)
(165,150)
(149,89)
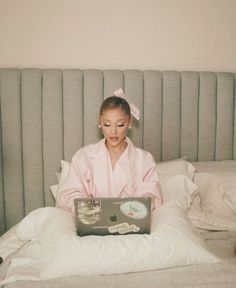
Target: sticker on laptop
(134,209)
(89,211)
(123,228)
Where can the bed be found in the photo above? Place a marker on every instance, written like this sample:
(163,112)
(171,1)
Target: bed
(186,118)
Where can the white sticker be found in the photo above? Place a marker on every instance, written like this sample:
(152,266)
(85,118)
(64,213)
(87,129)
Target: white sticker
(134,209)
(123,228)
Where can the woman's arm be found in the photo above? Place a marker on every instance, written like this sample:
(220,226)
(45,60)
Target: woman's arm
(151,185)
(75,185)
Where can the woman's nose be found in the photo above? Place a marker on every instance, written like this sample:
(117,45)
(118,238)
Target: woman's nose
(113,129)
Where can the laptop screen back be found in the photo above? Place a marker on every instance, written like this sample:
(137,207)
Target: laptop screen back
(112,216)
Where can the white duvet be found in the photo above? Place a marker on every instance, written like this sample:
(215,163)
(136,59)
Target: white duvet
(52,248)
(48,246)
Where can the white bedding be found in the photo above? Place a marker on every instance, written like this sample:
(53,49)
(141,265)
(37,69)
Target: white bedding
(216,166)
(56,251)
(174,242)
(222,274)
(213,205)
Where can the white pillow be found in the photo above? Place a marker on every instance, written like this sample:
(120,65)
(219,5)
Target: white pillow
(61,177)
(8,242)
(215,166)
(178,166)
(173,242)
(214,205)
(177,186)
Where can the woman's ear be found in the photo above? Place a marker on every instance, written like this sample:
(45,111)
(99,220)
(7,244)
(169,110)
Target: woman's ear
(99,122)
(130,123)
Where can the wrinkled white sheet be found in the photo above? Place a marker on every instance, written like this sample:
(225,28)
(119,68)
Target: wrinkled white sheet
(217,275)
(213,205)
(52,248)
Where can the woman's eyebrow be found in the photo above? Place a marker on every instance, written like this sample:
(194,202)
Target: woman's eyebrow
(116,121)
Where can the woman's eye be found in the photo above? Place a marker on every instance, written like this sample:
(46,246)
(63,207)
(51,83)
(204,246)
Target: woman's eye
(108,125)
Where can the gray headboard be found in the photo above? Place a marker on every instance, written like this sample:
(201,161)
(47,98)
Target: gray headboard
(46,115)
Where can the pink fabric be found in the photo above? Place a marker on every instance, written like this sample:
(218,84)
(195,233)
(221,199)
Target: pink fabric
(134,110)
(91,175)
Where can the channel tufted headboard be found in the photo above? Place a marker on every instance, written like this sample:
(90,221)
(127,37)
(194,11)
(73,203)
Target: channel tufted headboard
(46,115)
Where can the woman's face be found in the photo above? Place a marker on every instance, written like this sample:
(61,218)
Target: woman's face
(114,124)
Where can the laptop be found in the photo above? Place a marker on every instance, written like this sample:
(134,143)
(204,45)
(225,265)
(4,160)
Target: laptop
(113,216)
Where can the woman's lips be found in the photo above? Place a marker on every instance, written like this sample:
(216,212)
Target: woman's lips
(114,139)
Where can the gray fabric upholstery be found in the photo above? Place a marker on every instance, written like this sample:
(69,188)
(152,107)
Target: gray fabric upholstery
(46,115)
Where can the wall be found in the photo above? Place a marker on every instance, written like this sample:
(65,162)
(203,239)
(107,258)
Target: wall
(139,34)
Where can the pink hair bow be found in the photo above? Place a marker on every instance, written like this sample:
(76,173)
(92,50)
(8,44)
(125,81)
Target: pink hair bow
(133,109)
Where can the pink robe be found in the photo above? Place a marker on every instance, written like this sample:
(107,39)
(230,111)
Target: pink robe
(91,175)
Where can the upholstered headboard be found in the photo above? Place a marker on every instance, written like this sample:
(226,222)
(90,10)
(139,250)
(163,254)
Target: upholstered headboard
(46,115)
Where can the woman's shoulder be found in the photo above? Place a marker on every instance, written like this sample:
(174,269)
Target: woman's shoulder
(141,153)
(89,150)
(146,156)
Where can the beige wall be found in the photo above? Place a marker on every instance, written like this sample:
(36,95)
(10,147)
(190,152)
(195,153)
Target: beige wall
(140,34)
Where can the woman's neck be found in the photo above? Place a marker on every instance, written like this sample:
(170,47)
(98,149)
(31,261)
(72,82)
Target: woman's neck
(118,149)
(116,152)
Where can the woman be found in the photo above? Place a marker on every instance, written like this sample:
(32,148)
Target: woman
(113,167)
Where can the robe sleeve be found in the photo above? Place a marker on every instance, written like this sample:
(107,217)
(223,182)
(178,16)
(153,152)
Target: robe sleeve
(76,184)
(151,185)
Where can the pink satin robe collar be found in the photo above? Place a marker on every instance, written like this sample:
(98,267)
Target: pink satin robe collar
(111,182)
